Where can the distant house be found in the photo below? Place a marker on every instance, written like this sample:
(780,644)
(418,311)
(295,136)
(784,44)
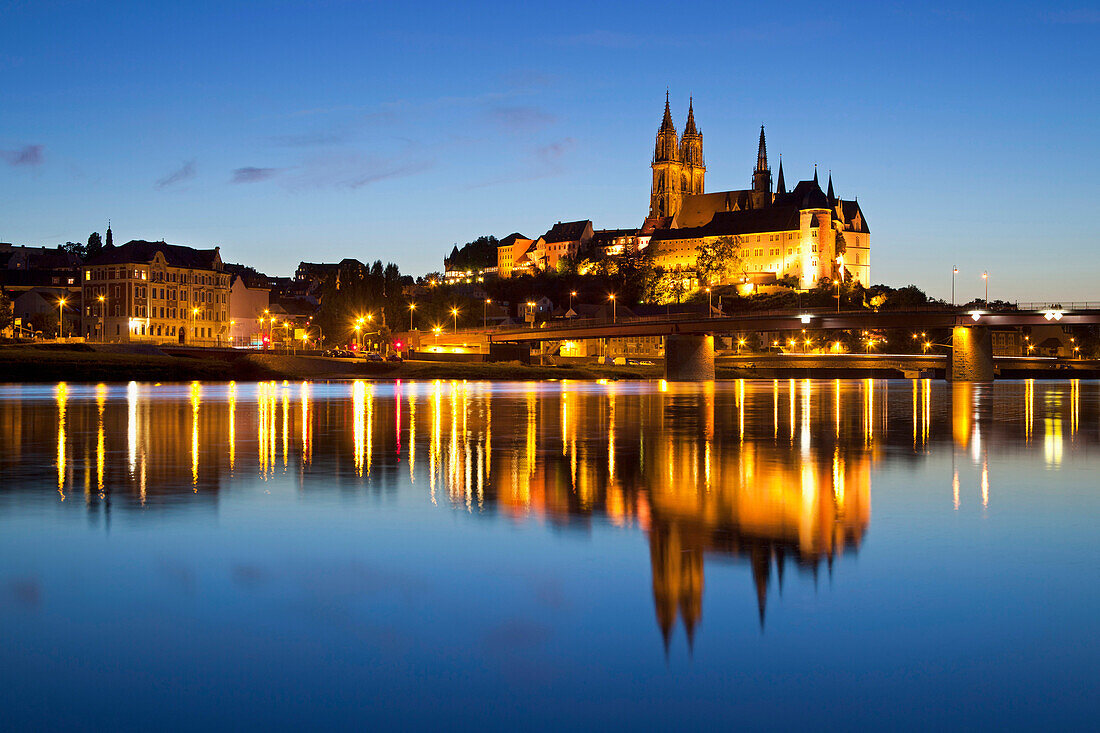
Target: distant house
(249,301)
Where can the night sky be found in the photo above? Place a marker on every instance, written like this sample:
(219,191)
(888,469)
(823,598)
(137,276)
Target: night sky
(284,131)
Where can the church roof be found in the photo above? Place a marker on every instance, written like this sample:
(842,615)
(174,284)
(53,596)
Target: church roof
(697,209)
(731,223)
(141,251)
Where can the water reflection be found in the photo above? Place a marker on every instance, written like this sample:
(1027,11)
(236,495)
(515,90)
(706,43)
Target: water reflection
(776,475)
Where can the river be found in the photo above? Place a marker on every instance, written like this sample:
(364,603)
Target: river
(548,555)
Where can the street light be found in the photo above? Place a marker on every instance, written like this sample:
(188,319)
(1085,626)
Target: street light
(102,325)
(194,315)
(60,315)
(454,312)
(485,312)
(985,276)
(614,308)
(710,304)
(572,294)
(412,307)
(954,272)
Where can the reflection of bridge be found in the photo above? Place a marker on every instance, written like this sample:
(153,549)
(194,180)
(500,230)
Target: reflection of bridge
(689,341)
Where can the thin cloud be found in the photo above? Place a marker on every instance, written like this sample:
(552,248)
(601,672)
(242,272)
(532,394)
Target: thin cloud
(545,161)
(1078,16)
(517,118)
(26,155)
(184,173)
(352,171)
(251,174)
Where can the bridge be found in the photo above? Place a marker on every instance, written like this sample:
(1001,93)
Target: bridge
(689,339)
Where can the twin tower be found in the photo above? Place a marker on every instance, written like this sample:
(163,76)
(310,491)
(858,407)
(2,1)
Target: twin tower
(679,168)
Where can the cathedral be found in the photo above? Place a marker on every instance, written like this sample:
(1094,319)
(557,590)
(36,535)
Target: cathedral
(804,233)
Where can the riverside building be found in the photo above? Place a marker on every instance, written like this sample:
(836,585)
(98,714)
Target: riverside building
(153,292)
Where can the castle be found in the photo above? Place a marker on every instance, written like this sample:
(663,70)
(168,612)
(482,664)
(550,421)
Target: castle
(804,233)
(801,236)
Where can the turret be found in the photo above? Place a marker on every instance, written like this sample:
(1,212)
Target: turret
(780,186)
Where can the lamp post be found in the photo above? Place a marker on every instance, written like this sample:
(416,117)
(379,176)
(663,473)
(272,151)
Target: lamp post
(954,272)
(572,294)
(60,316)
(985,277)
(265,318)
(485,313)
(412,307)
(614,308)
(838,295)
(102,324)
(194,314)
(531,312)
(710,304)
(454,312)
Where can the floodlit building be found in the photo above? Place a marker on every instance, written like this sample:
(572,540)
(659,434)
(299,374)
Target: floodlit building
(806,233)
(153,292)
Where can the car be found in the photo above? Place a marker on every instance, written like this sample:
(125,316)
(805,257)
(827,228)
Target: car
(395,357)
(340,353)
(372,356)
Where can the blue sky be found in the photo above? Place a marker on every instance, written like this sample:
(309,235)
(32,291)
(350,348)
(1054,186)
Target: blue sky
(284,131)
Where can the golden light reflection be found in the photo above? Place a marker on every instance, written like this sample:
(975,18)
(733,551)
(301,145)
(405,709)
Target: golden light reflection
(359,425)
(196,403)
(132,428)
(61,394)
(232,401)
(307,423)
(100,442)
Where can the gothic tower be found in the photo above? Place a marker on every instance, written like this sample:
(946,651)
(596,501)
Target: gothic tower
(664,196)
(691,154)
(762,176)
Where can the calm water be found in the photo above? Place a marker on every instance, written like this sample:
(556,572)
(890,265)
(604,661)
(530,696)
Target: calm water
(424,555)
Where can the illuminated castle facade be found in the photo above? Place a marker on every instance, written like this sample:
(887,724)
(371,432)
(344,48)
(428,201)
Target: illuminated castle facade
(804,233)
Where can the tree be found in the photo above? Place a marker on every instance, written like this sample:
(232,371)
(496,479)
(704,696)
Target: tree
(718,260)
(95,244)
(5,311)
(76,248)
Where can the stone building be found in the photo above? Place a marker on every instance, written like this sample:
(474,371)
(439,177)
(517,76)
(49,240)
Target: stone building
(153,292)
(805,232)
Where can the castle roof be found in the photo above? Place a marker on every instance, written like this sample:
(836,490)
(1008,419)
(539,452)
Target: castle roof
(141,251)
(569,231)
(511,239)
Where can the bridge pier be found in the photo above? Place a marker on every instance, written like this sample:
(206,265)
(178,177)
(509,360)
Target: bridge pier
(971,354)
(689,358)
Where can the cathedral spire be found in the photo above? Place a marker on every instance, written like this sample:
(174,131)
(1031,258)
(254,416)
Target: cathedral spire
(110,235)
(762,175)
(780,186)
(832,198)
(689,128)
(666,123)
(815,174)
